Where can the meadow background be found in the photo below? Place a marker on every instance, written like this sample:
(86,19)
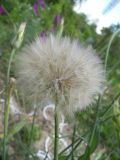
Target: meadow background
(98,126)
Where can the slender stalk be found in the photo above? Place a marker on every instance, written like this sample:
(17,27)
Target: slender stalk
(69,146)
(9,64)
(111,104)
(96,121)
(32,127)
(9,87)
(17,43)
(56,134)
(9,90)
(73,141)
(109,45)
(110,117)
(87,152)
(74,148)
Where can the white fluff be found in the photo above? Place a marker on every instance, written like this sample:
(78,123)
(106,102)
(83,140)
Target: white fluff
(62,67)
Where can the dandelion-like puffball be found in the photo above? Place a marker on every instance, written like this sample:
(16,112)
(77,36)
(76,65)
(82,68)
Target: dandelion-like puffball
(62,69)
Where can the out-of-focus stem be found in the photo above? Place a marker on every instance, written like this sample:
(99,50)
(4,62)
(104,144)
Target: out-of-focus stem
(9,90)
(56,140)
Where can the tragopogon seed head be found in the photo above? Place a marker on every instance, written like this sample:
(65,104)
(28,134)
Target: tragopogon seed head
(59,66)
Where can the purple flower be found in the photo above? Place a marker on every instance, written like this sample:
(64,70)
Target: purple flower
(57,20)
(35,7)
(37,4)
(43,35)
(2,10)
(42,3)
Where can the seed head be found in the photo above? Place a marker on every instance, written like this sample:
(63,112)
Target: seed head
(60,68)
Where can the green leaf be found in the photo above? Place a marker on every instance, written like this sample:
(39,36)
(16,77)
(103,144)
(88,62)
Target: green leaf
(91,147)
(62,157)
(16,128)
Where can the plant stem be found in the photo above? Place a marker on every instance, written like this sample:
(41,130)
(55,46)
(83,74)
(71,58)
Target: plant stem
(111,104)
(73,142)
(32,127)
(87,153)
(9,90)
(9,64)
(9,87)
(74,148)
(69,146)
(109,45)
(56,134)
(96,121)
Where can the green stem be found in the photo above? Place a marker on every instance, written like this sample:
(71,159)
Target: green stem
(87,151)
(111,104)
(73,141)
(78,140)
(110,117)
(109,45)
(56,134)
(32,127)
(6,117)
(74,148)
(96,121)
(9,64)
(8,92)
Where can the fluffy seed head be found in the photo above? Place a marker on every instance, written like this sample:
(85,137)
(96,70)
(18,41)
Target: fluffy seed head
(62,68)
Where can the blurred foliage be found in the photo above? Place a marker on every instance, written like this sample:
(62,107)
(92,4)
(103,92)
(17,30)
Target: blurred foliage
(41,22)
(27,136)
